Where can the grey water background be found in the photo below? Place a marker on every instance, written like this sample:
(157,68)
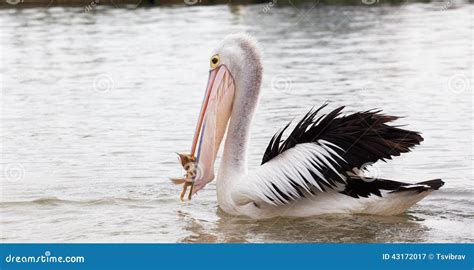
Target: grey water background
(94,105)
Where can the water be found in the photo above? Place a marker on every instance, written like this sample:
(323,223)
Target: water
(94,105)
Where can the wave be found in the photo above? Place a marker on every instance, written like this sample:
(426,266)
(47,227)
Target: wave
(53,201)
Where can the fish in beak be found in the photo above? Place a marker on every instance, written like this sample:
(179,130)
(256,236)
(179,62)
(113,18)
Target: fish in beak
(189,164)
(210,129)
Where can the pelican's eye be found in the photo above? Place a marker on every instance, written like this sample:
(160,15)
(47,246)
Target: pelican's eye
(214,61)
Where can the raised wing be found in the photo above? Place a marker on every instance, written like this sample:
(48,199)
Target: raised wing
(325,153)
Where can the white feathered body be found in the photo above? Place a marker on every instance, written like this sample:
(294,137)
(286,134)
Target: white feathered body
(243,194)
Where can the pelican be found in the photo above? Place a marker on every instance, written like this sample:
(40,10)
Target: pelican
(317,169)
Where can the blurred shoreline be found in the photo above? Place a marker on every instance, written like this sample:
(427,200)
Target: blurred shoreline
(18,4)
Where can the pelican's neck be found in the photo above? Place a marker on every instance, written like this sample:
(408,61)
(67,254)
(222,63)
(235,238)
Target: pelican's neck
(234,160)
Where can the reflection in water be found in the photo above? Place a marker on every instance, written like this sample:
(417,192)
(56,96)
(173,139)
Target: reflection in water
(198,233)
(325,228)
(92,114)
(320,229)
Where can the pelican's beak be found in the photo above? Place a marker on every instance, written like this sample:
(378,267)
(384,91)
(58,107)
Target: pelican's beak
(212,123)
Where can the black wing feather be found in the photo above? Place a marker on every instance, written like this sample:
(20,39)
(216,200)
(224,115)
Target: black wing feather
(364,137)
(358,187)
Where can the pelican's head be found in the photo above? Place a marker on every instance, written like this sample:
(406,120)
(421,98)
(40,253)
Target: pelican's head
(234,81)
